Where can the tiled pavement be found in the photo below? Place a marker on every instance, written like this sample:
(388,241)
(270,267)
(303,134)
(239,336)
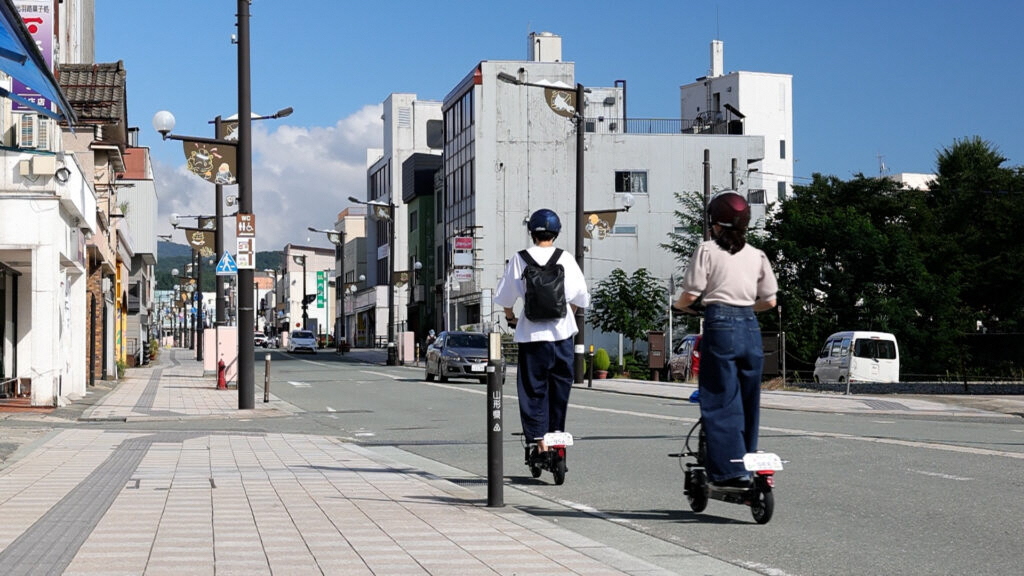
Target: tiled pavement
(96,502)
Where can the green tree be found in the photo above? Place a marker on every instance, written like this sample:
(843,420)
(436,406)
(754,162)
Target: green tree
(690,217)
(847,256)
(978,244)
(628,305)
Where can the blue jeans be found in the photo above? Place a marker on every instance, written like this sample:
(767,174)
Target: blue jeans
(731,358)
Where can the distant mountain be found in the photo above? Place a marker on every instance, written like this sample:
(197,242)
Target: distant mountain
(172,250)
(171,256)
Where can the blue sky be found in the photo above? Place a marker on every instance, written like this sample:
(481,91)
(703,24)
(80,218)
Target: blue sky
(900,79)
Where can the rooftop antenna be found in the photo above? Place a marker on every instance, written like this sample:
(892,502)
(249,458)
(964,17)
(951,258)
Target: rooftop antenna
(883,170)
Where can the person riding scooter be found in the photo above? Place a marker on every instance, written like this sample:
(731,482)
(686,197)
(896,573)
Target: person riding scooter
(734,280)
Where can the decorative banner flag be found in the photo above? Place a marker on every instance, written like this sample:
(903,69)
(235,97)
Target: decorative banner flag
(400,277)
(212,162)
(599,224)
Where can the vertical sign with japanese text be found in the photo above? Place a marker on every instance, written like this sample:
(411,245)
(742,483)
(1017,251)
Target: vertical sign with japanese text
(38,18)
(245,234)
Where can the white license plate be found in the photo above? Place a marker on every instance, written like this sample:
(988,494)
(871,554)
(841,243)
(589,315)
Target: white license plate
(477,367)
(558,439)
(762,461)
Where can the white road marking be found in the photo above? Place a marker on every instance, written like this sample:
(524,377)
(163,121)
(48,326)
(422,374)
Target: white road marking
(329,409)
(941,475)
(392,376)
(790,431)
(300,384)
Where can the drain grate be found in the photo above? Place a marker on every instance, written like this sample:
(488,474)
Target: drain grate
(883,405)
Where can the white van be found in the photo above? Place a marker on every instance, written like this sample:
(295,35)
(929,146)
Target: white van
(858,357)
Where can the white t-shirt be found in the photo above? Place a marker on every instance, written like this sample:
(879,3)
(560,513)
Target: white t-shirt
(735,279)
(511,288)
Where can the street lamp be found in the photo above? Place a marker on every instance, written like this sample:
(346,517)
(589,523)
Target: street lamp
(301,259)
(337,237)
(386,211)
(218,130)
(273,312)
(164,122)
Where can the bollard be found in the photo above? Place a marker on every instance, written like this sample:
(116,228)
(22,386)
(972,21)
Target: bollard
(495,380)
(590,367)
(417,353)
(266,378)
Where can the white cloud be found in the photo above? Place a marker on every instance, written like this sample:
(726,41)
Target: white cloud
(301,177)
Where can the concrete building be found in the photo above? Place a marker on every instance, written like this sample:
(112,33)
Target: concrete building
(751,103)
(412,127)
(48,210)
(139,199)
(510,149)
(299,280)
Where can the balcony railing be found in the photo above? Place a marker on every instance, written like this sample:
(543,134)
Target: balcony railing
(605,125)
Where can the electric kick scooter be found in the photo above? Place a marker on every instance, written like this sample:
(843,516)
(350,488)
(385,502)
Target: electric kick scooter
(698,488)
(553,460)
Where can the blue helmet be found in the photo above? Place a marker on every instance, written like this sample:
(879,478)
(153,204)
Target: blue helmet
(544,220)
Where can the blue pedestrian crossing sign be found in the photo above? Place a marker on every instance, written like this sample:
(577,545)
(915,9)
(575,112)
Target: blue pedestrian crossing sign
(227,266)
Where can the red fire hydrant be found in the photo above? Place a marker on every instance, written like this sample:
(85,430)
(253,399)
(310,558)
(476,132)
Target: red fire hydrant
(222,384)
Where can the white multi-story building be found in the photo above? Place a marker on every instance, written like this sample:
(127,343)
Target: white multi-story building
(301,279)
(411,126)
(510,148)
(758,104)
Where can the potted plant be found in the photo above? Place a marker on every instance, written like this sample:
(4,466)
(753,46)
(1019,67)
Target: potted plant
(601,363)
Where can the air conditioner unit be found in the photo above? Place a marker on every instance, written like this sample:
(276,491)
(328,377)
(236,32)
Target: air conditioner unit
(28,126)
(33,132)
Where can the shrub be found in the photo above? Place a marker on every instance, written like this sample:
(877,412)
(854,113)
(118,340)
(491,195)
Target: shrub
(601,360)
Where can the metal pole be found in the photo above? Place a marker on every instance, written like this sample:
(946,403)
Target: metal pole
(392,350)
(495,457)
(199,307)
(246,346)
(218,242)
(339,291)
(707,193)
(581,221)
(305,306)
(266,378)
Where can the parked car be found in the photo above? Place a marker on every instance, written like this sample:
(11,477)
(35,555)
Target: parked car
(858,357)
(302,340)
(259,339)
(685,362)
(457,355)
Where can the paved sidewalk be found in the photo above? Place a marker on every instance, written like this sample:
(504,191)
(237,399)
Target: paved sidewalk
(88,501)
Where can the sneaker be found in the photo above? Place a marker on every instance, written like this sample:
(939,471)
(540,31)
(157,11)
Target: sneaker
(738,483)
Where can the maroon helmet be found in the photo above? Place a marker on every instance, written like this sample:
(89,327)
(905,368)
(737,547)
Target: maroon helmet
(729,210)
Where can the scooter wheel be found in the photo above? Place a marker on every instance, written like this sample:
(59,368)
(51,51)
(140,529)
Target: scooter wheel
(696,496)
(535,471)
(762,506)
(558,470)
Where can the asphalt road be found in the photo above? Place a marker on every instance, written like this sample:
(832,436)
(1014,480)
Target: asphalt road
(860,494)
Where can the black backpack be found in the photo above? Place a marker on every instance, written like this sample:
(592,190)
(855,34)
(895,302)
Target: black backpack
(545,288)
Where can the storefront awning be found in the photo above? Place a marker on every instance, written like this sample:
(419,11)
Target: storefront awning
(20,58)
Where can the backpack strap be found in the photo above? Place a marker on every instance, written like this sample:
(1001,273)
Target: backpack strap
(528,259)
(531,262)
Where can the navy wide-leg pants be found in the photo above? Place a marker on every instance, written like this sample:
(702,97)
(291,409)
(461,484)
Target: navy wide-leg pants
(546,371)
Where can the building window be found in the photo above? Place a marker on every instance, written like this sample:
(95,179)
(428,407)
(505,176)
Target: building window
(624,231)
(782,149)
(782,191)
(755,196)
(631,181)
